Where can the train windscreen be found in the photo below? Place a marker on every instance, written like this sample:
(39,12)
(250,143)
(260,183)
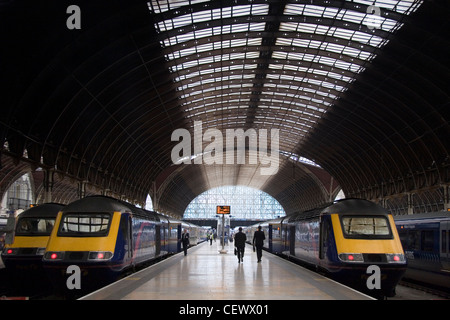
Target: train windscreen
(34,226)
(362,227)
(84,225)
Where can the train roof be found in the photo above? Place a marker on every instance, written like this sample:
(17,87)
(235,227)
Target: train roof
(107,204)
(277,220)
(355,206)
(42,211)
(423,216)
(344,206)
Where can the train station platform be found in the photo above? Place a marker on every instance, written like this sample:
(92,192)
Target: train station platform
(205,274)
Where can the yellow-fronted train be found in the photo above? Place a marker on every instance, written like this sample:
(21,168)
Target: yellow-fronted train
(105,238)
(23,257)
(342,239)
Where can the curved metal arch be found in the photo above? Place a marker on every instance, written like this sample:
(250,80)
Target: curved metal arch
(399,152)
(68,132)
(116,111)
(112,132)
(361,171)
(69,104)
(136,172)
(406,92)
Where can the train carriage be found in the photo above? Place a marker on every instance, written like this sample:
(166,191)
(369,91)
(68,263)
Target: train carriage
(32,231)
(23,258)
(107,238)
(342,239)
(104,237)
(197,234)
(275,237)
(426,241)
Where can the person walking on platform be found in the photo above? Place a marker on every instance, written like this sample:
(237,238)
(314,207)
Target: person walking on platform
(258,242)
(239,243)
(185,241)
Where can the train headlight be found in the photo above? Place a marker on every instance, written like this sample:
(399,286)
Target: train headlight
(40,251)
(54,255)
(395,258)
(10,251)
(100,255)
(351,257)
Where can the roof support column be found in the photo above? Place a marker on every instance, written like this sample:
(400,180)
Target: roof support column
(410,203)
(155,198)
(82,189)
(49,176)
(446,189)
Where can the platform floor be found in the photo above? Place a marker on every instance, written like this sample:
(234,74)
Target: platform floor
(205,274)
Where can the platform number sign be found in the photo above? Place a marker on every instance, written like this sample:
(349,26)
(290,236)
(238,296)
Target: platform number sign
(223,210)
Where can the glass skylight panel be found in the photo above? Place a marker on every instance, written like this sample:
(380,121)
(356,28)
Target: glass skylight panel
(218,79)
(216,89)
(209,15)
(342,14)
(159,6)
(214,46)
(211,59)
(400,6)
(204,72)
(209,32)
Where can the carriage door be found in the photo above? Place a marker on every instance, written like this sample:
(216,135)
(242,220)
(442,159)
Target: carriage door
(292,240)
(127,235)
(179,238)
(445,244)
(158,240)
(323,238)
(270,238)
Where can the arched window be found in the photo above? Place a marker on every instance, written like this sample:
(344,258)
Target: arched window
(246,204)
(19,195)
(149,203)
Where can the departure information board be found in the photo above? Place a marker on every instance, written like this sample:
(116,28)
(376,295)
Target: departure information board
(223,210)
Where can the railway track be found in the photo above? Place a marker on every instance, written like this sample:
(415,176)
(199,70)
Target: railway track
(425,288)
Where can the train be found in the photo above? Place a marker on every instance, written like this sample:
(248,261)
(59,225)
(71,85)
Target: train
(342,239)
(426,240)
(23,258)
(106,238)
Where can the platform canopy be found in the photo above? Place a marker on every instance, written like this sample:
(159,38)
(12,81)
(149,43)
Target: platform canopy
(356,93)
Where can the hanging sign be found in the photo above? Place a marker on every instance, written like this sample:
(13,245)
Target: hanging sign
(223,210)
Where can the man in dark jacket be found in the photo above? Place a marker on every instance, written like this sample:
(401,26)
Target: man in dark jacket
(185,241)
(239,243)
(258,242)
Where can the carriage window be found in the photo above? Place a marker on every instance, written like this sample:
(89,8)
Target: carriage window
(427,241)
(444,241)
(35,226)
(414,240)
(366,227)
(76,224)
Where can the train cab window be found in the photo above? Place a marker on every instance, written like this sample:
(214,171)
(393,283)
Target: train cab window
(84,225)
(34,226)
(363,227)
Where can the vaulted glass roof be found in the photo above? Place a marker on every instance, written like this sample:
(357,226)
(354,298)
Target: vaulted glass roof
(251,63)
